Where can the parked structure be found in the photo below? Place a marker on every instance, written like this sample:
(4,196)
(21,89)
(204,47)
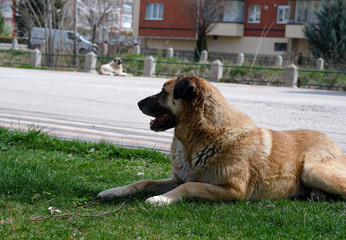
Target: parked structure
(61,39)
(265,27)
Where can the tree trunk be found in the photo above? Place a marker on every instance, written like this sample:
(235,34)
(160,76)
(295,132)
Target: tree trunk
(201,44)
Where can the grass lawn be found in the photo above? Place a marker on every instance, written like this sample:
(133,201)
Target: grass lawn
(38,172)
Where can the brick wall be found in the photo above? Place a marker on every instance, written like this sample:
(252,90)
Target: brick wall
(176,22)
(268,21)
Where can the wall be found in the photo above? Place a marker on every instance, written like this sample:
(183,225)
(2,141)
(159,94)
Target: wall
(268,22)
(175,23)
(246,45)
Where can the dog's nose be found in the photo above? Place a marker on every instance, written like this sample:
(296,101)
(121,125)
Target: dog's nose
(140,103)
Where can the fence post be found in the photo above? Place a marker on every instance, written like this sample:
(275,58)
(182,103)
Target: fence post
(240,59)
(291,76)
(216,71)
(14,44)
(320,63)
(170,52)
(204,57)
(90,62)
(137,50)
(35,58)
(278,61)
(149,66)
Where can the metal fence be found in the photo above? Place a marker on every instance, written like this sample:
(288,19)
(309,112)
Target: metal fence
(253,75)
(14,58)
(169,69)
(331,80)
(63,61)
(231,58)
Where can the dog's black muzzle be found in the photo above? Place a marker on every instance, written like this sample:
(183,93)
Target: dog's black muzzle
(164,119)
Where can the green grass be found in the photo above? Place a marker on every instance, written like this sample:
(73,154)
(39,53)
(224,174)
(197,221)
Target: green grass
(38,172)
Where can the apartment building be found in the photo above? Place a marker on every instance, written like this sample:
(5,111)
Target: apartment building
(126,15)
(7,12)
(266,27)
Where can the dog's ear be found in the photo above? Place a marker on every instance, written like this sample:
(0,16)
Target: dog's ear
(184,87)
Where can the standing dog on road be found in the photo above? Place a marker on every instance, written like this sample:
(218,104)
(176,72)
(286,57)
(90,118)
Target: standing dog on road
(114,68)
(218,153)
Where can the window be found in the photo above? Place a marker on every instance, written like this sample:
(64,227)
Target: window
(283,14)
(280,47)
(305,11)
(70,35)
(127,8)
(254,14)
(126,20)
(6,9)
(154,11)
(233,11)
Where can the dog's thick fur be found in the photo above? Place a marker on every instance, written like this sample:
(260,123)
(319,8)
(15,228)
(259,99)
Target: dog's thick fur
(114,68)
(218,153)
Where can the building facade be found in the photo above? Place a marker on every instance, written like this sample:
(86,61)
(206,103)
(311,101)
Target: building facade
(265,27)
(6,10)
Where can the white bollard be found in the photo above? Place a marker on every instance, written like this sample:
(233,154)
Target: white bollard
(216,71)
(14,44)
(35,58)
(291,76)
(137,50)
(170,52)
(90,62)
(320,63)
(149,67)
(204,57)
(240,59)
(278,61)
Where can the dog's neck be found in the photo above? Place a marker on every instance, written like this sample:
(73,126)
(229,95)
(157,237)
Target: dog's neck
(218,117)
(118,66)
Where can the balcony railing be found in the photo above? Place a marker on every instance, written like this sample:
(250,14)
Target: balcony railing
(294,31)
(227,29)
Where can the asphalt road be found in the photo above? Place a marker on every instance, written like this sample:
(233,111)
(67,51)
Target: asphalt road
(93,107)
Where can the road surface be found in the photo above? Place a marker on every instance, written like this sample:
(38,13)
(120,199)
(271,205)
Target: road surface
(94,107)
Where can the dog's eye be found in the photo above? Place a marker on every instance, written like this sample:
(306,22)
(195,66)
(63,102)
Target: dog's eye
(163,92)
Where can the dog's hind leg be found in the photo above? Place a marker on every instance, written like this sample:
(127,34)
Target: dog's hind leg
(107,73)
(328,176)
(196,190)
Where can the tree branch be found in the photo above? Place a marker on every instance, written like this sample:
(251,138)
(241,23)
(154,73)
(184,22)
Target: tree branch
(77,214)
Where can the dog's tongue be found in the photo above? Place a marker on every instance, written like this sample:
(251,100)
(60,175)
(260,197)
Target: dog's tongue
(160,118)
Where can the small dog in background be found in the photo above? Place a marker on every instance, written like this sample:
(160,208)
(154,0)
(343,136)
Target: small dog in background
(114,68)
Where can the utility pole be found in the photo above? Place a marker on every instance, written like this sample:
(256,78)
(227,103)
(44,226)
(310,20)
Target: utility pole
(75,34)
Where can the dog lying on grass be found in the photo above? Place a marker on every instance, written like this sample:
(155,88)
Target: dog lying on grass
(114,68)
(218,153)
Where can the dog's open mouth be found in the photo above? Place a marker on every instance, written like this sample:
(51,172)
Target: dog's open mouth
(162,122)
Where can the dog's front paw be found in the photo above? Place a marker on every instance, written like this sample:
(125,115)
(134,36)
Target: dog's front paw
(159,200)
(112,193)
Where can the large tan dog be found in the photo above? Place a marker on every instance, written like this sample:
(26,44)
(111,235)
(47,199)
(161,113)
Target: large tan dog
(218,153)
(114,68)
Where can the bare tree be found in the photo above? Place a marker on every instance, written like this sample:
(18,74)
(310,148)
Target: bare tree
(48,14)
(96,14)
(202,14)
(34,13)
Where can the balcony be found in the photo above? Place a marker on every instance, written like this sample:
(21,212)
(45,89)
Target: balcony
(294,31)
(227,29)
